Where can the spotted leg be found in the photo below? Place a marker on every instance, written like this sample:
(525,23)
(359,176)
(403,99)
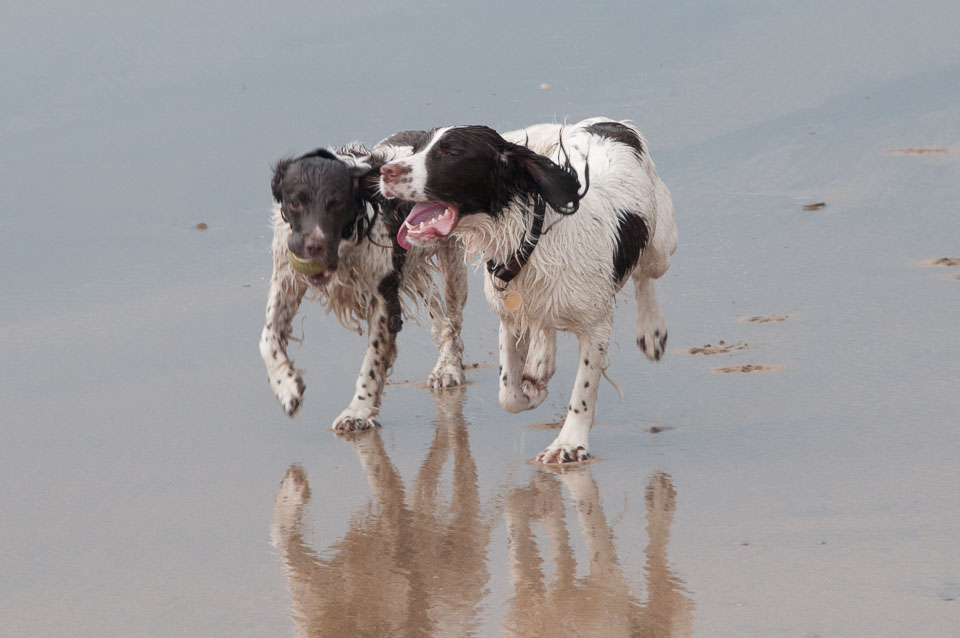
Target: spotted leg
(513,355)
(448,317)
(572,442)
(651,329)
(540,365)
(364,408)
(283,300)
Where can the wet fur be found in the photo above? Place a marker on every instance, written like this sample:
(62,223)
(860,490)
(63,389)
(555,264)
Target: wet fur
(374,285)
(624,228)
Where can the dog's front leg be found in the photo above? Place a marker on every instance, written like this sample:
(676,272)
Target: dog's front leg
(572,444)
(283,300)
(448,317)
(364,408)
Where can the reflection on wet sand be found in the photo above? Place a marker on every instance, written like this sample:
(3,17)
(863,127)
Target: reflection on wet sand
(599,604)
(415,564)
(406,567)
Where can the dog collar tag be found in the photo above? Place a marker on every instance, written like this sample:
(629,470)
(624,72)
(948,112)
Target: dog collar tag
(512,300)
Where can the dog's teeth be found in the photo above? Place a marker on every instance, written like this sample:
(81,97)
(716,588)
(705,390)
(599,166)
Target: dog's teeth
(421,225)
(446,212)
(410,226)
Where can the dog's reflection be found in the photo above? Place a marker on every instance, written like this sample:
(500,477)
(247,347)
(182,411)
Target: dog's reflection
(410,565)
(599,604)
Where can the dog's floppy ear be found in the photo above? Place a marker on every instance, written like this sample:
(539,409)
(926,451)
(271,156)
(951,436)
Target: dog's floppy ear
(558,185)
(278,170)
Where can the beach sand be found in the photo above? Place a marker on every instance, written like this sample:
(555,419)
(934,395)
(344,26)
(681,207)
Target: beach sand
(151,486)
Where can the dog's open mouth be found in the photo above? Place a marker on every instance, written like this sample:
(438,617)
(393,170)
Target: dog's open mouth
(427,222)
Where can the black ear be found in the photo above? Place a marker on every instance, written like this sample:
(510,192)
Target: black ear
(558,185)
(278,170)
(319,152)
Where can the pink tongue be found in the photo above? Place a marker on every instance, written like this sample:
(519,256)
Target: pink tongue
(425,212)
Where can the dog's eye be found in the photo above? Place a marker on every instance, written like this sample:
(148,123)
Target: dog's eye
(444,150)
(296,203)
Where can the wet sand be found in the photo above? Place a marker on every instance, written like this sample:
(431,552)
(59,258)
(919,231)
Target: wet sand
(151,485)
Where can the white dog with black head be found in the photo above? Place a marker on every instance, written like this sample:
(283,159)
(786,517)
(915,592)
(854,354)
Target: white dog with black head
(563,216)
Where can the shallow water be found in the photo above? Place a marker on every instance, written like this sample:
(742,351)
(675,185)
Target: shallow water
(141,451)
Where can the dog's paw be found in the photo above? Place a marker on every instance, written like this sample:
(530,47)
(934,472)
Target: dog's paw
(288,386)
(535,390)
(353,419)
(292,495)
(446,375)
(526,396)
(558,453)
(652,337)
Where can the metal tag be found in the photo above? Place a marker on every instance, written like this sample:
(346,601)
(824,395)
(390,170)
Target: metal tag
(512,300)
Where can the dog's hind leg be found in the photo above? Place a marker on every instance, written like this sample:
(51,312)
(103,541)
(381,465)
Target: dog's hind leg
(448,317)
(513,356)
(283,300)
(572,444)
(539,368)
(651,329)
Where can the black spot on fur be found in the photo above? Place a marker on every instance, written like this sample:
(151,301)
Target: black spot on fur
(372,376)
(619,133)
(586,384)
(632,237)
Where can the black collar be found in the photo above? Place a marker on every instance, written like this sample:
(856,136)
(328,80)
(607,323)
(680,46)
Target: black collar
(507,271)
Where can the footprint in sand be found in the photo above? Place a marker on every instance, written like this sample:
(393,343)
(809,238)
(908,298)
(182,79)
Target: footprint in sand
(922,151)
(721,348)
(747,369)
(764,319)
(943,261)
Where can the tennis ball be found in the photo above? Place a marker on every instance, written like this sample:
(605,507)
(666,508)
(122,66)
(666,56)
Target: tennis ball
(305,266)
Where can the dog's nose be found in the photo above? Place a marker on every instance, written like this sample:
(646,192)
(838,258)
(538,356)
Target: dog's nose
(312,248)
(389,170)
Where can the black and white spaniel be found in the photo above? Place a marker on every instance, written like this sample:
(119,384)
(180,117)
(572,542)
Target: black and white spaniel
(563,215)
(336,234)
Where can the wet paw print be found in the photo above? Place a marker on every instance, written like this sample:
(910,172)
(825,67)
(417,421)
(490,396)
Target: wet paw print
(749,368)
(722,347)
